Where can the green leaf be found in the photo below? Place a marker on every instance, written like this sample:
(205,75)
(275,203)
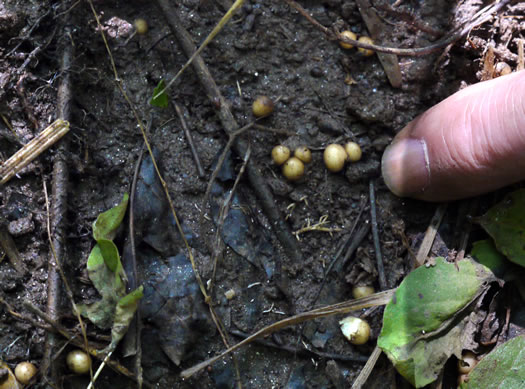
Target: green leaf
(159,99)
(109,285)
(505,223)
(504,367)
(107,223)
(423,322)
(486,253)
(126,308)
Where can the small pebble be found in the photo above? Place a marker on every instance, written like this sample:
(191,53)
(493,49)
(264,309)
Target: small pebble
(316,72)
(21,226)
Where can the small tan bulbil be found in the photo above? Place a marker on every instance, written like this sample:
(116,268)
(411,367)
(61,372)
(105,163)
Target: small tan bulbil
(7,378)
(334,157)
(293,169)
(78,362)
(303,153)
(262,106)
(141,26)
(365,52)
(361,291)
(467,362)
(353,150)
(356,330)
(24,372)
(280,154)
(349,35)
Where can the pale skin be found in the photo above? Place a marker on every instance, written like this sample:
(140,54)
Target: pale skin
(471,143)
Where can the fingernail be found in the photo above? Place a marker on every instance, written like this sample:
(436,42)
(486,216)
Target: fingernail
(405,167)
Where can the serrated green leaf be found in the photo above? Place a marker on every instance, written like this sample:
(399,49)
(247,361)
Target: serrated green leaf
(108,222)
(417,333)
(159,99)
(505,223)
(504,367)
(485,252)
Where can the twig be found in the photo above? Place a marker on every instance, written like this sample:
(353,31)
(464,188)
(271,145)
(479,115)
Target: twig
(430,234)
(189,138)
(367,369)
(375,234)
(465,231)
(381,298)
(33,149)
(8,245)
(28,34)
(58,264)
(409,18)
(340,251)
(481,17)
(135,328)
(223,214)
(23,317)
(58,213)
(374,25)
(303,351)
(359,236)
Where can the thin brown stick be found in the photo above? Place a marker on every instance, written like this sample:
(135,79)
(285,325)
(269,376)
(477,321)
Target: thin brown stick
(57,215)
(306,352)
(375,234)
(481,17)
(367,369)
(58,264)
(356,241)
(223,214)
(8,245)
(189,138)
(430,234)
(135,328)
(467,228)
(381,298)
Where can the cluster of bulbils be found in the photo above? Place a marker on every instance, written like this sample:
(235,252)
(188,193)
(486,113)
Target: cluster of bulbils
(335,156)
(362,39)
(77,361)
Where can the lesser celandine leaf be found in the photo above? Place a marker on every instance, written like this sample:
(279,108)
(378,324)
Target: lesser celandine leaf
(505,223)
(485,252)
(108,222)
(418,335)
(104,267)
(504,367)
(160,98)
(126,308)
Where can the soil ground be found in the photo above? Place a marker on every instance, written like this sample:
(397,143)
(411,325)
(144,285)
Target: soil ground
(267,49)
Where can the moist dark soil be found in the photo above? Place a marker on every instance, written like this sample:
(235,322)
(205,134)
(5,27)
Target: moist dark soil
(323,94)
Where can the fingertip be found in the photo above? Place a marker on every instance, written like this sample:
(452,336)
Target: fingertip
(405,167)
